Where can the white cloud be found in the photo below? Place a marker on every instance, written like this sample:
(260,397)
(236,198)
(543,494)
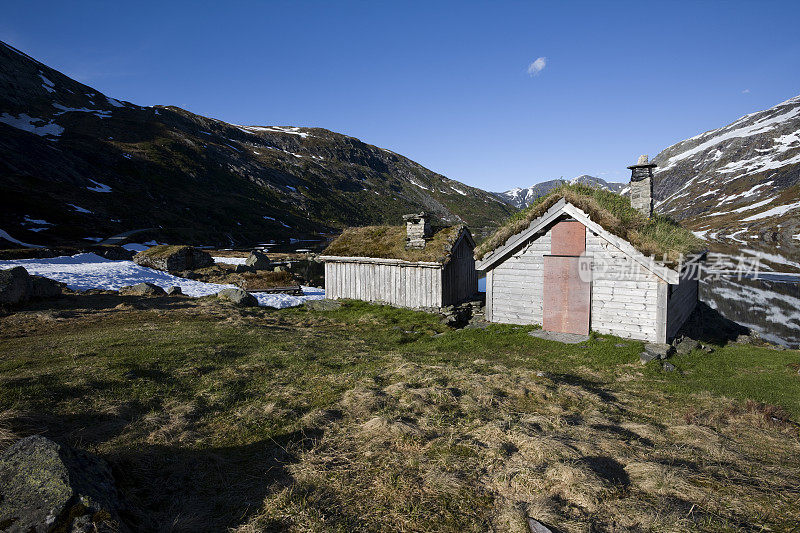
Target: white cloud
(746,91)
(537,66)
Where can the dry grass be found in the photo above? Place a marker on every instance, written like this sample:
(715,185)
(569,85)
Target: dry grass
(389,242)
(659,236)
(218,418)
(162,250)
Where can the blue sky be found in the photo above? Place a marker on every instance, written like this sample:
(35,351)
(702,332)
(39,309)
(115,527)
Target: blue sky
(448,84)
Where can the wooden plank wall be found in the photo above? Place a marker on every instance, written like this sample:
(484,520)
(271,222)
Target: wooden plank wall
(680,303)
(414,286)
(515,296)
(624,295)
(459,278)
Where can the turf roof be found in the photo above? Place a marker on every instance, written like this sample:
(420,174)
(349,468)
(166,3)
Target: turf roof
(389,242)
(659,236)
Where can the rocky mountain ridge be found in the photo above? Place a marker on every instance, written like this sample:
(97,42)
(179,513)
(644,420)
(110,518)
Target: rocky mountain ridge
(523,197)
(78,166)
(739,184)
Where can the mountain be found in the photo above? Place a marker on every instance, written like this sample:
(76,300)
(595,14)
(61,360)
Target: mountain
(520,198)
(739,184)
(77,165)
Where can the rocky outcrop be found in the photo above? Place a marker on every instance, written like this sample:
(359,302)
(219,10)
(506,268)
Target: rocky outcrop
(46,486)
(142,289)
(17,287)
(173,258)
(239,297)
(257,260)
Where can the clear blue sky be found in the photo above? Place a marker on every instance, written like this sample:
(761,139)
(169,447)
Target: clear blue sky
(448,84)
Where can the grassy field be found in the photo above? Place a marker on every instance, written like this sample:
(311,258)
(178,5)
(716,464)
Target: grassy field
(368,418)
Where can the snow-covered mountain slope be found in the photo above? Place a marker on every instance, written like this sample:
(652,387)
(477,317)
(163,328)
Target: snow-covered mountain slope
(520,198)
(738,184)
(76,166)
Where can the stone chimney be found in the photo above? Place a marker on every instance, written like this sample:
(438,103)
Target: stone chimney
(418,229)
(642,186)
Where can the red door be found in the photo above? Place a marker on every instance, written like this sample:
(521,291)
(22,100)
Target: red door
(566,297)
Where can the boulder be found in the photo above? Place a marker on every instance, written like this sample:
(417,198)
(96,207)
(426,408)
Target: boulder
(686,345)
(142,289)
(173,258)
(44,288)
(45,486)
(322,305)
(239,297)
(658,350)
(113,252)
(646,357)
(257,260)
(279,269)
(668,367)
(15,286)
(174,291)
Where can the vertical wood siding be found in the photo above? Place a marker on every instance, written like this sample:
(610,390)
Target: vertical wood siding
(459,278)
(411,285)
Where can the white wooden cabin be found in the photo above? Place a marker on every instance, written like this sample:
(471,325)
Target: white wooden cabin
(414,267)
(569,274)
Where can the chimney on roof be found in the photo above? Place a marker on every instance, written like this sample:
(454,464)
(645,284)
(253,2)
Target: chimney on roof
(642,186)
(418,229)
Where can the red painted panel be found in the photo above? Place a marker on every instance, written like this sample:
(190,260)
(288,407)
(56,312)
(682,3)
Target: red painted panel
(566,297)
(568,237)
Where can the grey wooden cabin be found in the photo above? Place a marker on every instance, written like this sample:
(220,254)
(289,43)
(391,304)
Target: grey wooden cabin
(569,274)
(412,266)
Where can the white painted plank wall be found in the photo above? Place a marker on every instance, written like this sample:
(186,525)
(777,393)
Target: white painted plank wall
(400,285)
(516,292)
(624,294)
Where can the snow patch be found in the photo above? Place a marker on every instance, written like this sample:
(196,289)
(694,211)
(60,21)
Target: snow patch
(47,85)
(90,271)
(80,209)
(99,187)
(6,236)
(27,123)
(774,212)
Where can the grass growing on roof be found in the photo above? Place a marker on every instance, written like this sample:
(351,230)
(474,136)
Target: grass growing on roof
(389,242)
(659,235)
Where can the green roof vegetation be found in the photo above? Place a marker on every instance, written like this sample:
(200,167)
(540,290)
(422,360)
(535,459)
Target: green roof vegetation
(389,242)
(659,236)
(163,250)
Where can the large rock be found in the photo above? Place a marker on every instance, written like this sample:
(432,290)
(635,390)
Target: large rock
(142,289)
(658,350)
(45,486)
(44,288)
(15,286)
(113,252)
(173,258)
(257,260)
(239,297)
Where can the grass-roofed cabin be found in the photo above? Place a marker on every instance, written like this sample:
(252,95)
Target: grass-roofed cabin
(582,259)
(415,266)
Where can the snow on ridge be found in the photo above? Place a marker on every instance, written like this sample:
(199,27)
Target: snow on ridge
(47,85)
(99,187)
(6,236)
(775,211)
(291,130)
(25,122)
(80,209)
(731,131)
